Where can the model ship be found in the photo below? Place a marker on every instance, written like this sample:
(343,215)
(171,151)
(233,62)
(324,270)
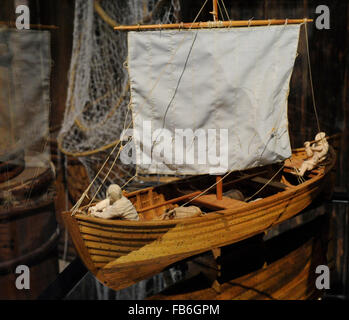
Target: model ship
(230,87)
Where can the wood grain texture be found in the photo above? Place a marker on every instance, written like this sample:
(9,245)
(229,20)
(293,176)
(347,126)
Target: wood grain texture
(121,253)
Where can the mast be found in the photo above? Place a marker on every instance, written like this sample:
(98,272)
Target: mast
(219,188)
(219,182)
(215,10)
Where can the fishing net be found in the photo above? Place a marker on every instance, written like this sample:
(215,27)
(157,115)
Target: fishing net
(98,95)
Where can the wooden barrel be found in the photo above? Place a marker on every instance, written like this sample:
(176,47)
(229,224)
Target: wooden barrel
(11,165)
(28,231)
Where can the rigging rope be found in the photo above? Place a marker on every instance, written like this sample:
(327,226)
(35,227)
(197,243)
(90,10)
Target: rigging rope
(225,9)
(270,180)
(310,75)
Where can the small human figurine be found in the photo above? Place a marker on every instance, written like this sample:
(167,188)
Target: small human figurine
(316,153)
(116,205)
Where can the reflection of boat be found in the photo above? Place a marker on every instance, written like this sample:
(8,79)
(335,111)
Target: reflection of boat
(286,275)
(214,81)
(120,253)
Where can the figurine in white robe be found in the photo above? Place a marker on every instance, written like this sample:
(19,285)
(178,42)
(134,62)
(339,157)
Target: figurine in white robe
(316,153)
(116,205)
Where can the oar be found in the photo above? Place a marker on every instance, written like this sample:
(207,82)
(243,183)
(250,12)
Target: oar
(327,138)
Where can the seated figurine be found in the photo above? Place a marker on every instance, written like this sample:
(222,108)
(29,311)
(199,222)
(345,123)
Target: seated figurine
(116,205)
(316,153)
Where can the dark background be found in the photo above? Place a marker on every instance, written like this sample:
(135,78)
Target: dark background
(329,57)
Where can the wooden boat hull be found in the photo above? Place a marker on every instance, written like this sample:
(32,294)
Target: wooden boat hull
(121,253)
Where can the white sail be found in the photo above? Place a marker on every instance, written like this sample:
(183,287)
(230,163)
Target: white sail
(211,100)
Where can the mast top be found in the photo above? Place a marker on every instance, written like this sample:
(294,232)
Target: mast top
(215,10)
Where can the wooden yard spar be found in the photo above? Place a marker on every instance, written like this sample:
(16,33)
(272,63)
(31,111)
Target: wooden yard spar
(213,24)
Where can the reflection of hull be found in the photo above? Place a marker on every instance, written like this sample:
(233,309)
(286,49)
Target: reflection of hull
(291,277)
(121,253)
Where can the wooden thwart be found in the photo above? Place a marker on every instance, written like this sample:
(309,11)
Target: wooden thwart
(211,201)
(187,196)
(275,184)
